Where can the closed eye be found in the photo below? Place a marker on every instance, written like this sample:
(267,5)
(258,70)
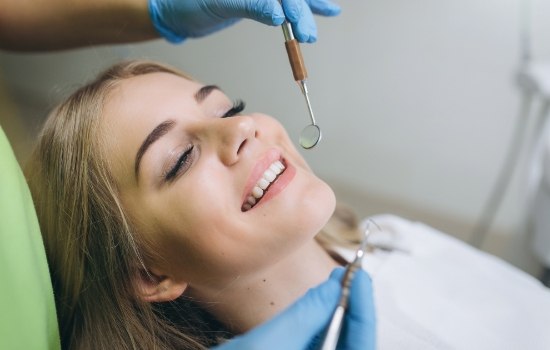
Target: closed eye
(182,163)
(238,107)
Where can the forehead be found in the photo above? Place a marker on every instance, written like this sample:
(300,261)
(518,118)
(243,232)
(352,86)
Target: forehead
(149,88)
(147,99)
(137,105)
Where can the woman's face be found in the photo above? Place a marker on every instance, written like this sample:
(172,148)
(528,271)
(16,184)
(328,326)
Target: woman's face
(186,163)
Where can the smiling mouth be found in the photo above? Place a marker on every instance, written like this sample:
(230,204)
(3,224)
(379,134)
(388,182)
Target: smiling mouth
(269,176)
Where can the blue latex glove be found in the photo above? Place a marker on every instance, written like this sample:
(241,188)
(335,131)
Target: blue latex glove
(303,324)
(177,20)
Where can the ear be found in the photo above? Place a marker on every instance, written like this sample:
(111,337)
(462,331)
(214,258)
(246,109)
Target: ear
(155,288)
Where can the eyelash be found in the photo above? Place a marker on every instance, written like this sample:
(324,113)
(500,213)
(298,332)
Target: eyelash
(238,107)
(185,159)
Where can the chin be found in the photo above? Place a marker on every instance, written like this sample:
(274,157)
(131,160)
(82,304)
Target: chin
(330,204)
(297,221)
(318,209)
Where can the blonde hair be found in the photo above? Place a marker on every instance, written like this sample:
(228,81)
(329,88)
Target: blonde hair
(93,253)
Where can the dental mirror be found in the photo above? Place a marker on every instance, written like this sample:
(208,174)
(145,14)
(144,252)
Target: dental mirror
(310,136)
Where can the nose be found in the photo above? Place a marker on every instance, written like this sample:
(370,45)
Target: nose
(233,136)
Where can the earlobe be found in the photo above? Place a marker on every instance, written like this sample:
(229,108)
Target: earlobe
(153,288)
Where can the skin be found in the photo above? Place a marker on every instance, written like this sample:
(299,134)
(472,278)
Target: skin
(206,245)
(27,25)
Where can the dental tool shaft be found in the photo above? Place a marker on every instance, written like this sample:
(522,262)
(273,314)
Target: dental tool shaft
(297,64)
(303,86)
(335,327)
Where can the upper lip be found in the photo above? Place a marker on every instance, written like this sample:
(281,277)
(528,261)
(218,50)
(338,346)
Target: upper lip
(258,170)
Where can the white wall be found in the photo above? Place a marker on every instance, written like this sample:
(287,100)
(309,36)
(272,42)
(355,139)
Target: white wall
(416,98)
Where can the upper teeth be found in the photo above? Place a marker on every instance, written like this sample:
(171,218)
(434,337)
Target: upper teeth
(267,178)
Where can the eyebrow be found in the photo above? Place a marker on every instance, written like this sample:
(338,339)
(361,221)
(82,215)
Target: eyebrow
(159,131)
(204,91)
(164,127)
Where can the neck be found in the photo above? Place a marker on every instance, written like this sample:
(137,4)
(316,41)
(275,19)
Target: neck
(245,305)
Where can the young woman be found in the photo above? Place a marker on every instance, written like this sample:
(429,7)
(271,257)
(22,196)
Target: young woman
(171,217)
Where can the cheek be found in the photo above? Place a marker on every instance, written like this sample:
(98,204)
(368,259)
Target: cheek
(277,132)
(271,129)
(310,210)
(197,233)
(291,220)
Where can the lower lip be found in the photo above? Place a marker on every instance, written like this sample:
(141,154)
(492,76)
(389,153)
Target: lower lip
(278,186)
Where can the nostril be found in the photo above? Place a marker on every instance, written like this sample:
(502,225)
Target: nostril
(241,146)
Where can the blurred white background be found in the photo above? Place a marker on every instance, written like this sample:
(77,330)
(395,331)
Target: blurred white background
(417,101)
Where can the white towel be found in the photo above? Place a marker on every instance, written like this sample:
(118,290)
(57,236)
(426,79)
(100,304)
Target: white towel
(436,292)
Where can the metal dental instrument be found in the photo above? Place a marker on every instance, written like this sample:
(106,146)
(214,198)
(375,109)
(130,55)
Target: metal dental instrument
(335,327)
(311,134)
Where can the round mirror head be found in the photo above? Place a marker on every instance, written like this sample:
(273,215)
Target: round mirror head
(310,136)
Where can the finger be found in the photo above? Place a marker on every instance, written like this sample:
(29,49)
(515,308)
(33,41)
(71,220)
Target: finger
(268,12)
(324,7)
(300,16)
(293,9)
(360,323)
(306,28)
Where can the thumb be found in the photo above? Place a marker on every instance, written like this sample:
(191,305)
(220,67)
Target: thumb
(360,325)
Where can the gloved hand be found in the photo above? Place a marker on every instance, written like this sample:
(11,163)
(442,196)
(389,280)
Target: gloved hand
(177,20)
(303,324)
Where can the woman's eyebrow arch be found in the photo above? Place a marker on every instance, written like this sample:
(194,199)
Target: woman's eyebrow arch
(159,131)
(204,91)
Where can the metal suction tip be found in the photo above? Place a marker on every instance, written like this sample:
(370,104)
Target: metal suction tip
(310,136)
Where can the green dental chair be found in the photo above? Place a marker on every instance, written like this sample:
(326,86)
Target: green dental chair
(27,310)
